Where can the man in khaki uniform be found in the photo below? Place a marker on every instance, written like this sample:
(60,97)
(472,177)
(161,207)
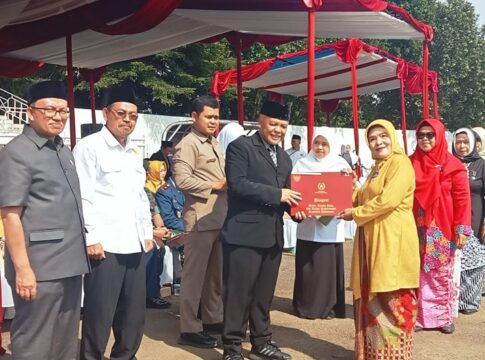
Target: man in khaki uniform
(198,165)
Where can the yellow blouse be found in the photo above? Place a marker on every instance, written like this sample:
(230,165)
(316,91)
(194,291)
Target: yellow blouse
(383,210)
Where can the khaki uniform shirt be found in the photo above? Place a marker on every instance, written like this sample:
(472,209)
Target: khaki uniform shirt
(197,163)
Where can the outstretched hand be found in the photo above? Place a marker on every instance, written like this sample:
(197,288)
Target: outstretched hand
(345,214)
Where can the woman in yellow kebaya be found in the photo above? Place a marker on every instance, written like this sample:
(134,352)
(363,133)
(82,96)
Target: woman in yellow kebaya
(385,263)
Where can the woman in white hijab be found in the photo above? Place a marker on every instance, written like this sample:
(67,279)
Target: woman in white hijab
(319,291)
(228,134)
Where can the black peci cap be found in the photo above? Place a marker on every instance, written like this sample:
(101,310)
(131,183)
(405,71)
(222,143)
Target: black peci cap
(119,93)
(46,89)
(274,110)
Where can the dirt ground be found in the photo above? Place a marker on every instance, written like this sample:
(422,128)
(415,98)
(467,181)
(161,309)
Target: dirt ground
(308,339)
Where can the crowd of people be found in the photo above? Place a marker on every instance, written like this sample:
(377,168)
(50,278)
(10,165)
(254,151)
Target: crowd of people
(104,222)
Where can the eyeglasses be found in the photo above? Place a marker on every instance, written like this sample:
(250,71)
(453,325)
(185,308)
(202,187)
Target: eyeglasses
(122,114)
(427,135)
(51,112)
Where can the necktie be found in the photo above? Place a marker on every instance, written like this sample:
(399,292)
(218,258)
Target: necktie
(272,153)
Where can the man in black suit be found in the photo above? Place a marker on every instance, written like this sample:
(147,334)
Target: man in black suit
(258,177)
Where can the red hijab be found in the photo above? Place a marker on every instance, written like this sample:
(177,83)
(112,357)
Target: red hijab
(430,169)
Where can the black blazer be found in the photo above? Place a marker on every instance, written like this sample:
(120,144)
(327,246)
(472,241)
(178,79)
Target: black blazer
(255,214)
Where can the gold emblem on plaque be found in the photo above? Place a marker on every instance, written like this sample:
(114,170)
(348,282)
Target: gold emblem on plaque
(321,186)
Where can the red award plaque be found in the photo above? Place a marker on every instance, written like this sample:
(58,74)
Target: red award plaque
(323,194)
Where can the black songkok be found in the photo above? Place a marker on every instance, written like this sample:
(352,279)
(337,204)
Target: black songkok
(167,144)
(296,137)
(274,110)
(119,93)
(46,89)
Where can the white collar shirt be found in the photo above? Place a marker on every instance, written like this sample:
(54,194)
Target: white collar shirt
(295,155)
(115,206)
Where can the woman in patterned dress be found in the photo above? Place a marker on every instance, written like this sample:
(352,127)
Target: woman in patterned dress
(473,259)
(442,211)
(385,262)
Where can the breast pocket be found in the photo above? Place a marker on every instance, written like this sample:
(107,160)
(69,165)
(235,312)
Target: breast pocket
(55,235)
(110,174)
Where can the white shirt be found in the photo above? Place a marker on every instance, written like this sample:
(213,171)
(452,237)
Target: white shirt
(295,155)
(115,206)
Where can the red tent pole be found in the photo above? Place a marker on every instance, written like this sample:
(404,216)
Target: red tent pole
(240,99)
(311,78)
(70,91)
(92,97)
(403,117)
(328,118)
(355,106)
(435,105)
(425,79)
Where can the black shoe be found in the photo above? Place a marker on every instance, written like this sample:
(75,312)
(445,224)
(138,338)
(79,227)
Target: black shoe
(199,339)
(232,356)
(448,329)
(330,315)
(157,303)
(213,328)
(468,311)
(268,351)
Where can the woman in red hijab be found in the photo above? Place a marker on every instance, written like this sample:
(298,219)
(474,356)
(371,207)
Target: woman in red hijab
(442,211)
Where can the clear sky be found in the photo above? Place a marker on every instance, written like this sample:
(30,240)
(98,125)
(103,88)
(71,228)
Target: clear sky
(480,10)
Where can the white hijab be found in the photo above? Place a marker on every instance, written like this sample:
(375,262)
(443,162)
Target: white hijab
(330,163)
(228,134)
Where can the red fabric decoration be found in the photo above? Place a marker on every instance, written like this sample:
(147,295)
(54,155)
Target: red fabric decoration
(94,74)
(433,79)
(346,50)
(414,80)
(152,13)
(374,5)
(426,29)
(16,68)
(221,80)
(313,4)
(432,169)
(328,106)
